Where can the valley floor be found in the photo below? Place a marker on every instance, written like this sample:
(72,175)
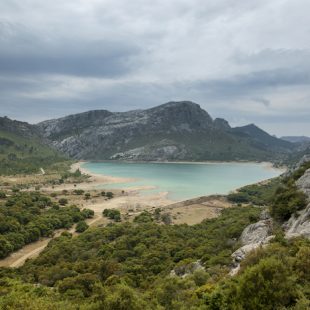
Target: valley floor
(130,203)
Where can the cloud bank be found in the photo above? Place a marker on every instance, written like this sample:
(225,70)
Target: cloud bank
(247,62)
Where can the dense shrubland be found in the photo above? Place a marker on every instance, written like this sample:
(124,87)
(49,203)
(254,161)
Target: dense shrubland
(128,266)
(134,258)
(258,194)
(27,216)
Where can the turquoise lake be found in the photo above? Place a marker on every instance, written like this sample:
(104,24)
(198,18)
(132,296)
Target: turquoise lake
(184,180)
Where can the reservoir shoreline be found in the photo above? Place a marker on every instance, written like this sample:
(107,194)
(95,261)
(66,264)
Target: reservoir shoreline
(107,178)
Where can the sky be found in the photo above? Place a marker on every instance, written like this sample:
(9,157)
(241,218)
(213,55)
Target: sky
(245,61)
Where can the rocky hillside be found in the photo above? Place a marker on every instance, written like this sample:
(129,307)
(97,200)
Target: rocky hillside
(172,131)
(22,149)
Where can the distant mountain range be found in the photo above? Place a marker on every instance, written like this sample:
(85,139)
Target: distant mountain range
(172,131)
(296,139)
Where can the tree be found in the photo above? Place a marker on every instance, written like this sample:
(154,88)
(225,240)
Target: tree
(112,214)
(2,195)
(63,201)
(78,192)
(5,247)
(81,226)
(110,195)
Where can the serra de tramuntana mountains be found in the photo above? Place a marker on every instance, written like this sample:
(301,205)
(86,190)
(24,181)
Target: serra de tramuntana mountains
(172,131)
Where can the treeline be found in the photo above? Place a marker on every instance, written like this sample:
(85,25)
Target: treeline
(25,217)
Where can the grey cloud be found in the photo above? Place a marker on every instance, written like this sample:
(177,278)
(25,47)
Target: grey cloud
(22,52)
(255,82)
(229,56)
(263,101)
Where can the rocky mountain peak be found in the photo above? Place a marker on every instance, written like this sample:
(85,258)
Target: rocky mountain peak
(221,124)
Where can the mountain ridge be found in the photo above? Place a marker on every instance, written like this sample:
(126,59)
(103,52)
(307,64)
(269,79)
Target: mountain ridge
(171,131)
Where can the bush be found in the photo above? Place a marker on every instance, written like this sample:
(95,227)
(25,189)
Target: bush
(87,213)
(143,217)
(81,226)
(2,195)
(63,201)
(112,214)
(109,195)
(287,201)
(78,192)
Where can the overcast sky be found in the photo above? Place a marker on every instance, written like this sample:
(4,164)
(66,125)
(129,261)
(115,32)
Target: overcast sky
(245,61)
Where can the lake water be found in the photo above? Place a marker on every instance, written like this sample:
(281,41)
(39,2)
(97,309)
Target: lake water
(184,180)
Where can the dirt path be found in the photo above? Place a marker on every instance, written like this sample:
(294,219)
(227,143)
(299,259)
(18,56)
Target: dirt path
(32,250)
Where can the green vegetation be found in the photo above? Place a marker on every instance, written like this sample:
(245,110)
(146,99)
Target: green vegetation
(288,199)
(109,195)
(87,196)
(63,201)
(27,216)
(280,194)
(81,226)
(137,255)
(277,277)
(112,214)
(145,265)
(78,192)
(24,155)
(258,194)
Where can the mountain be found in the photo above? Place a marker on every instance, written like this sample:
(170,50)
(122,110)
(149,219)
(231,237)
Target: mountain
(296,139)
(261,139)
(172,131)
(22,149)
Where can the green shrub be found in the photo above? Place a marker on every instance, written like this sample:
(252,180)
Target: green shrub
(112,214)
(110,195)
(81,226)
(63,201)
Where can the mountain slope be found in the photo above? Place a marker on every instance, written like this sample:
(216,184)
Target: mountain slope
(261,139)
(172,131)
(296,139)
(22,149)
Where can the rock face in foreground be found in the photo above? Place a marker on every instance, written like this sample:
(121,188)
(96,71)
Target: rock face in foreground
(253,236)
(259,234)
(172,131)
(299,224)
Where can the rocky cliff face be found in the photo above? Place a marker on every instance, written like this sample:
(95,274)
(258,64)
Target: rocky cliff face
(260,233)
(299,224)
(253,236)
(172,131)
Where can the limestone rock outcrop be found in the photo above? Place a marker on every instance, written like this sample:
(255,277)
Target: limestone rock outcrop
(253,236)
(299,224)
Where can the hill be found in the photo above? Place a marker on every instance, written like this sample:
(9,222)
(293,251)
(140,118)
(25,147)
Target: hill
(296,139)
(22,149)
(172,131)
